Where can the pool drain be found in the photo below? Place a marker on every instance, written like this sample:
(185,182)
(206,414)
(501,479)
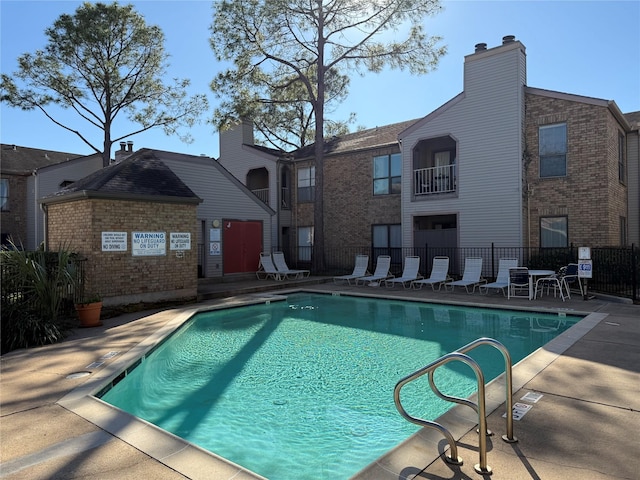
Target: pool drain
(280,402)
(359,432)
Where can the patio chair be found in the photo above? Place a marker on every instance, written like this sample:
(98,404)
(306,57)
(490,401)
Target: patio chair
(360,269)
(571,277)
(381,273)
(283,269)
(266,268)
(409,273)
(470,277)
(552,281)
(439,274)
(502,280)
(518,282)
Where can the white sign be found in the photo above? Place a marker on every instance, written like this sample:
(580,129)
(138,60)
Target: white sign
(585,268)
(214,248)
(584,253)
(519,410)
(148,243)
(114,241)
(179,241)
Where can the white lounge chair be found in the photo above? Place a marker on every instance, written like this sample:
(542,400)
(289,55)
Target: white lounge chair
(283,269)
(439,274)
(360,269)
(502,280)
(471,276)
(381,273)
(409,273)
(266,268)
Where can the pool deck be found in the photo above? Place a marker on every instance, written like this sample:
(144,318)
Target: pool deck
(586,425)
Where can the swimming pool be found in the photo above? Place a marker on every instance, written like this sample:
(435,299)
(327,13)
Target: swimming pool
(304,388)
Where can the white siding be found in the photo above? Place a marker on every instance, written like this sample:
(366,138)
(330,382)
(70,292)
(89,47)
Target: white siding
(487,123)
(238,157)
(46,181)
(223,197)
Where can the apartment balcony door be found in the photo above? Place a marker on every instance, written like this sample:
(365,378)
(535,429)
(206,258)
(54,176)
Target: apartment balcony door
(442,161)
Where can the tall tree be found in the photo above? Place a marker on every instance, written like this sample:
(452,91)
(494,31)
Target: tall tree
(278,105)
(304,42)
(102,61)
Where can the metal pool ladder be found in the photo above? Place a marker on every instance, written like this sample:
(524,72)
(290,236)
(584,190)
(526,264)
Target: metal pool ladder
(479,408)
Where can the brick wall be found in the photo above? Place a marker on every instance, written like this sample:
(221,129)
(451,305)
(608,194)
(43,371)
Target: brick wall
(120,277)
(590,195)
(13,220)
(350,206)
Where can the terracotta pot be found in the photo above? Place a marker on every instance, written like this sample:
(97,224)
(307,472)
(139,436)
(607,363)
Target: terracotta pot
(89,314)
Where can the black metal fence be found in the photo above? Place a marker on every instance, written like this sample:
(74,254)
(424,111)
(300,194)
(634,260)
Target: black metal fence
(616,270)
(17,288)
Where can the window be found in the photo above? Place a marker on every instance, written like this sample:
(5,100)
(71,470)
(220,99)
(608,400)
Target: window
(553,232)
(387,170)
(621,169)
(306,184)
(553,150)
(305,243)
(623,231)
(387,240)
(4,194)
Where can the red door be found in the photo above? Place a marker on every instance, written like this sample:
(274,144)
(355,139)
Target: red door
(241,245)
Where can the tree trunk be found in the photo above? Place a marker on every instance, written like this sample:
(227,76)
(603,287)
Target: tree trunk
(318,210)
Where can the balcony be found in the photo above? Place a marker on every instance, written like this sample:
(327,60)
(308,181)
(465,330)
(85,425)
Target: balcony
(434,180)
(262,194)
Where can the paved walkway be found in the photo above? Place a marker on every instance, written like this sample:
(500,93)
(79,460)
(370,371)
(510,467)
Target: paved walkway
(586,425)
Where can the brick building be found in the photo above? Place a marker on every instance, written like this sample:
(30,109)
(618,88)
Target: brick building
(588,197)
(501,163)
(110,217)
(28,174)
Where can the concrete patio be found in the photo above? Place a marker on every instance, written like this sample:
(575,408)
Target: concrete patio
(585,425)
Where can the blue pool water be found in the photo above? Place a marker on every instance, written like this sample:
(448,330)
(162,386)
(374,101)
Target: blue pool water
(303,388)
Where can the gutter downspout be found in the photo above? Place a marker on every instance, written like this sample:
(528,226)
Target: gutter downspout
(37,225)
(45,225)
(278,204)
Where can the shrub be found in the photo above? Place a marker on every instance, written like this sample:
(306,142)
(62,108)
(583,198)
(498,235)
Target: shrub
(34,288)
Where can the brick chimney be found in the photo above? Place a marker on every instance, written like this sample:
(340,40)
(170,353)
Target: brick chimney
(126,149)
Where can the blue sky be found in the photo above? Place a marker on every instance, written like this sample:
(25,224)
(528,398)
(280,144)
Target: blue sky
(589,48)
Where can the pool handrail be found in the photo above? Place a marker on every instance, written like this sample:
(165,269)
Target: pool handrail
(509,438)
(480,408)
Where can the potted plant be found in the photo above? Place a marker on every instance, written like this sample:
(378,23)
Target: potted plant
(89,309)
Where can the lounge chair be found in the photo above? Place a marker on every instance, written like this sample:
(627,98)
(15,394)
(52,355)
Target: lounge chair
(283,269)
(266,268)
(439,274)
(409,273)
(470,277)
(360,269)
(502,280)
(519,282)
(381,273)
